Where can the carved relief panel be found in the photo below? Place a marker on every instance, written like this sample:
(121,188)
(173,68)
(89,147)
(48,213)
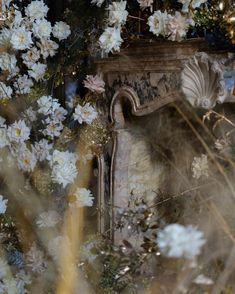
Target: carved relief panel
(142,82)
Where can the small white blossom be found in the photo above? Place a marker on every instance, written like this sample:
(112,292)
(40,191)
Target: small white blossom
(47,47)
(21,39)
(37,71)
(48,219)
(42,28)
(83,197)
(8,62)
(42,149)
(61,30)
(47,105)
(5,37)
(145,3)
(111,39)
(158,23)
(35,260)
(26,159)
(178,26)
(53,128)
(36,10)
(117,13)
(94,84)
(85,113)
(194,3)
(200,167)
(3,205)
(64,174)
(23,85)
(30,115)
(180,241)
(31,57)
(18,132)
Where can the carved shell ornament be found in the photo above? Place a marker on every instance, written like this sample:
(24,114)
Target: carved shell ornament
(203,82)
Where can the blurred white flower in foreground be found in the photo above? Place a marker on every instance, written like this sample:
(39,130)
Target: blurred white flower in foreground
(180,241)
(83,197)
(111,40)
(203,280)
(4,269)
(48,219)
(35,260)
(64,169)
(3,204)
(26,159)
(58,245)
(200,167)
(61,30)
(86,113)
(94,83)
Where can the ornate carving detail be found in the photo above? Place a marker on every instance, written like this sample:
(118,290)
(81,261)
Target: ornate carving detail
(149,86)
(202,81)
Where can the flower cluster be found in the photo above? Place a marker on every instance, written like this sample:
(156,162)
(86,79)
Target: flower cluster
(28,40)
(172,26)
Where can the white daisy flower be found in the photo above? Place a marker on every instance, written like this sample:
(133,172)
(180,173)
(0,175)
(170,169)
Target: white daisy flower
(7,62)
(42,28)
(42,149)
(47,47)
(18,132)
(83,197)
(117,13)
(158,23)
(26,159)
(31,57)
(21,39)
(85,113)
(37,71)
(111,39)
(53,128)
(47,105)
(61,30)
(36,10)
(23,85)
